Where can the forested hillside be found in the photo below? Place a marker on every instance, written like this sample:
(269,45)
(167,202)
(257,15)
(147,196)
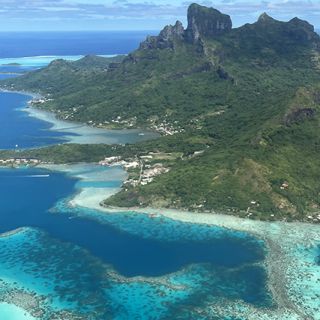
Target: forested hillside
(248,98)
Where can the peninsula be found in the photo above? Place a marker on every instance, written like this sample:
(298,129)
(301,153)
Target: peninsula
(238,110)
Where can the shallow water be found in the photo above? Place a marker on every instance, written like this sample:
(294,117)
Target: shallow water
(26,130)
(11,312)
(38,193)
(106,266)
(68,250)
(64,252)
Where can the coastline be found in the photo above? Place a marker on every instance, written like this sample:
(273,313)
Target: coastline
(80,133)
(290,248)
(293,276)
(32,95)
(290,274)
(87,196)
(290,271)
(45,59)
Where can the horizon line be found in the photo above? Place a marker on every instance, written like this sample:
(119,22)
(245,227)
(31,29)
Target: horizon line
(44,31)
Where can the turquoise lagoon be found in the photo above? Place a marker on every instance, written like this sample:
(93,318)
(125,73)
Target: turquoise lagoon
(12,312)
(79,262)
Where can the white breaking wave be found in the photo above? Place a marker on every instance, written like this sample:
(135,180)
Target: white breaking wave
(37,176)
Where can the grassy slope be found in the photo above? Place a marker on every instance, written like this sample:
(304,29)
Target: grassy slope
(249,113)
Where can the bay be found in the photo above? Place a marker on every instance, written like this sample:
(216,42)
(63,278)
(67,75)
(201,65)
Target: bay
(224,262)
(78,262)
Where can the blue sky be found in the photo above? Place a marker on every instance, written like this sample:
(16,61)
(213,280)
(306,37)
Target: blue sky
(37,15)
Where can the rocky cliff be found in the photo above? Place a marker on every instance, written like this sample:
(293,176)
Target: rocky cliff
(206,22)
(203,23)
(166,39)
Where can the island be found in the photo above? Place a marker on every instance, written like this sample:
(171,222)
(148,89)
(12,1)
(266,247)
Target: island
(237,110)
(12,64)
(217,216)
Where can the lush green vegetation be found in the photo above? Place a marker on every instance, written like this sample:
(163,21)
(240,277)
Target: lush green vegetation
(184,144)
(249,97)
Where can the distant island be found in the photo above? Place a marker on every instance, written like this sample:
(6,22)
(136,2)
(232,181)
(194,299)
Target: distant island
(14,64)
(238,110)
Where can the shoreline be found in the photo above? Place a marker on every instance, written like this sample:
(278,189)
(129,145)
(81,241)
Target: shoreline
(287,277)
(213,218)
(281,240)
(51,117)
(81,133)
(30,94)
(290,274)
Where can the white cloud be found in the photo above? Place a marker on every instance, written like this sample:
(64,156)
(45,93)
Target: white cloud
(165,11)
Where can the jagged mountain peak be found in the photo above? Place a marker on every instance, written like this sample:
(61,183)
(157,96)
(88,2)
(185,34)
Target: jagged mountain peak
(206,22)
(166,38)
(203,22)
(172,31)
(264,17)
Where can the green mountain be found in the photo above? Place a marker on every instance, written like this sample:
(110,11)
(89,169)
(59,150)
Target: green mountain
(247,98)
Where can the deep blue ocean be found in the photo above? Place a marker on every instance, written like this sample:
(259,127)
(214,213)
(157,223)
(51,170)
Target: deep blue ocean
(31,44)
(107,266)
(17,128)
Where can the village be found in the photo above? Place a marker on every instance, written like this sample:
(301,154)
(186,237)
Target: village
(141,170)
(164,128)
(41,100)
(18,162)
